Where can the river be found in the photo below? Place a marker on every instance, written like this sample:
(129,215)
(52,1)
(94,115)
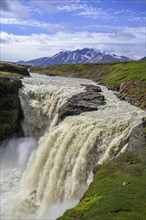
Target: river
(47,171)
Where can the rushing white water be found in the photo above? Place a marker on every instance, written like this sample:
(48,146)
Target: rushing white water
(42,97)
(58,172)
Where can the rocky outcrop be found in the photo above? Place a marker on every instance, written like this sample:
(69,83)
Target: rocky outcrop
(89,100)
(130,92)
(10,109)
(91,87)
(137,140)
(14,68)
(113,87)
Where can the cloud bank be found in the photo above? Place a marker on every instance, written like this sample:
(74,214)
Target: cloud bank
(38,28)
(24,47)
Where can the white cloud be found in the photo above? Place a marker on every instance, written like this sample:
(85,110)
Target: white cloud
(94,13)
(84,10)
(14,9)
(17,47)
(49,6)
(45,6)
(71,7)
(119,12)
(34,23)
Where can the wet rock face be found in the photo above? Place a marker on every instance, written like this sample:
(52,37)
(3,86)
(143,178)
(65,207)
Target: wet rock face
(137,138)
(10,109)
(91,88)
(89,100)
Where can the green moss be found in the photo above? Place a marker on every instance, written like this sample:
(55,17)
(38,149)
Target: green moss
(144,130)
(130,157)
(87,203)
(6,73)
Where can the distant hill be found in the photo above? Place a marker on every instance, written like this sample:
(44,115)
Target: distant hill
(86,55)
(144,58)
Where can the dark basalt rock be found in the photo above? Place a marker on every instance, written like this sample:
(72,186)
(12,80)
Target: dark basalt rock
(92,88)
(137,140)
(114,87)
(89,100)
(51,74)
(10,109)
(9,85)
(119,96)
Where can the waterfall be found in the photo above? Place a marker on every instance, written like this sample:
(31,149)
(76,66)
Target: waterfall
(41,99)
(59,171)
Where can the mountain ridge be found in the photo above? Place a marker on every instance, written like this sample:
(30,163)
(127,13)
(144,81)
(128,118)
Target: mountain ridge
(85,55)
(144,58)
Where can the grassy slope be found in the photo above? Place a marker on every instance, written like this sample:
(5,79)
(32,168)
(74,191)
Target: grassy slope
(118,192)
(108,72)
(133,74)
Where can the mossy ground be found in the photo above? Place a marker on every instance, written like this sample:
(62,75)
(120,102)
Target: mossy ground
(118,192)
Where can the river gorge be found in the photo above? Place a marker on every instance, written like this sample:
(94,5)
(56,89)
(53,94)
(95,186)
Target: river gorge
(48,170)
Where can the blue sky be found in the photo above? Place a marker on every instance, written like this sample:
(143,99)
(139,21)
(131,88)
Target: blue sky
(37,28)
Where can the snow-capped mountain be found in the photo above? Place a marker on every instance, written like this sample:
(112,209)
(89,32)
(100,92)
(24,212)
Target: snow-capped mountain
(86,55)
(36,62)
(144,58)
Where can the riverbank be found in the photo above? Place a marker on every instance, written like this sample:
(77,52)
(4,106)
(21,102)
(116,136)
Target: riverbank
(127,78)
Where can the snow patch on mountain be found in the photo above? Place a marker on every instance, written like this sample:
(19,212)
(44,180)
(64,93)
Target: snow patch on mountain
(85,55)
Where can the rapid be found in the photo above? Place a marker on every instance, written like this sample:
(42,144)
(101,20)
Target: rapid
(47,171)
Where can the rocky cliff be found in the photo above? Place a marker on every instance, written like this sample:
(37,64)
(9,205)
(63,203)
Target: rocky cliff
(10,109)
(8,67)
